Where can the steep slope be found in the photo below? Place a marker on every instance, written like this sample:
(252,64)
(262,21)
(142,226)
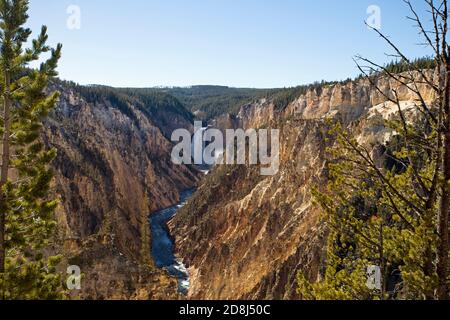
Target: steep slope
(112,170)
(246,236)
(240,234)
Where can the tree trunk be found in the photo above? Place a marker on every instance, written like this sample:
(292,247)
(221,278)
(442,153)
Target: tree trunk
(442,261)
(442,254)
(5,168)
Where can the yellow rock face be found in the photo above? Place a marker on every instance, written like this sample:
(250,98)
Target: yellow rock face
(245,236)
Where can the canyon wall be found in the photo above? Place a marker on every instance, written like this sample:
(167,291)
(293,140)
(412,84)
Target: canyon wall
(112,170)
(245,236)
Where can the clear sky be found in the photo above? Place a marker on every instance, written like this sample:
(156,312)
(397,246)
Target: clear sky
(242,43)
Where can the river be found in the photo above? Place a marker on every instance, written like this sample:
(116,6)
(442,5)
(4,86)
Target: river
(163,244)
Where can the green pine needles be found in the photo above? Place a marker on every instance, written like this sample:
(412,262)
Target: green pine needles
(26,207)
(377,215)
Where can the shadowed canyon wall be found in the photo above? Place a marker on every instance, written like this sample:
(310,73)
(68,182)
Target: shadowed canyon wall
(113,168)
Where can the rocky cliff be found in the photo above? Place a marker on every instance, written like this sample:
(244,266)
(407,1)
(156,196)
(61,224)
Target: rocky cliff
(244,236)
(112,170)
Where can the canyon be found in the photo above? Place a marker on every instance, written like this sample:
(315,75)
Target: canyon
(245,236)
(112,170)
(241,235)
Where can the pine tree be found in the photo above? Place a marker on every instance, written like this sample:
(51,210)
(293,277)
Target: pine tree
(376,217)
(26,209)
(394,216)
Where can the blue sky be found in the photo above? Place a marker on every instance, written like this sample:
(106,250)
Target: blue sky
(242,43)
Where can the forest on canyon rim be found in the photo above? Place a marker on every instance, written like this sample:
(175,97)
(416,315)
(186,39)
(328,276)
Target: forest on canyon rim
(363,183)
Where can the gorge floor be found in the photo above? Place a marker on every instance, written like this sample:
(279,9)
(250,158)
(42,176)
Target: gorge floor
(163,245)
